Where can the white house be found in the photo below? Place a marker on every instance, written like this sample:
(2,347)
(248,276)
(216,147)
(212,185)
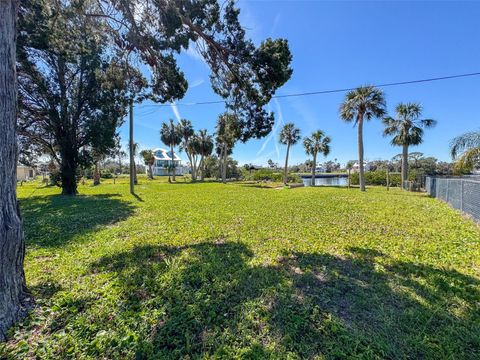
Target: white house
(356,166)
(163,162)
(25,173)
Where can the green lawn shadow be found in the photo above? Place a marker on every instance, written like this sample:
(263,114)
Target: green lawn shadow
(55,220)
(215,303)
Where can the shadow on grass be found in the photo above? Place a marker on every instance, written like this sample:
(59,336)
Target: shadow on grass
(208,300)
(55,220)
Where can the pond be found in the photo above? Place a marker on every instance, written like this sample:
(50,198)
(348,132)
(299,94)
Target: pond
(326,181)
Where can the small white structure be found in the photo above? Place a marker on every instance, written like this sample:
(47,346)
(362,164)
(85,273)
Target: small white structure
(356,166)
(25,173)
(320,169)
(164,162)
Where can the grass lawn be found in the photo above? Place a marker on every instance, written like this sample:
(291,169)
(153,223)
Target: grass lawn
(239,271)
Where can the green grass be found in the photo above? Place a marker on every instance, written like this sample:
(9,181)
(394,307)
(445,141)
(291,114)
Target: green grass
(239,271)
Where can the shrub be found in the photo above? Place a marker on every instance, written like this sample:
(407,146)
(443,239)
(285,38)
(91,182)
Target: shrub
(379,177)
(106,175)
(270,175)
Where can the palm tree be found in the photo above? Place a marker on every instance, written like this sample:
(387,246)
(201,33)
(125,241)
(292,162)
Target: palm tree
(204,147)
(465,149)
(407,130)
(289,135)
(316,143)
(186,131)
(149,160)
(363,103)
(170,136)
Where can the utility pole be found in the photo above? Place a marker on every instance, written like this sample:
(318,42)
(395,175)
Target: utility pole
(132,160)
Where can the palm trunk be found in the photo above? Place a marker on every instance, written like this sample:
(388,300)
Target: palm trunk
(14,297)
(202,168)
(404,165)
(132,160)
(314,165)
(285,177)
(224,169)
(173,162)
(361,174)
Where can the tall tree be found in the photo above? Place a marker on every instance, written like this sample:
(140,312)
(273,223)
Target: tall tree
(186,131)
(71,98)
(289,135)
(315,144)
(363,103)
(407,130)
(465,149)
(204,147)
(171,137)
(228,130)
(14,297)
(149,160)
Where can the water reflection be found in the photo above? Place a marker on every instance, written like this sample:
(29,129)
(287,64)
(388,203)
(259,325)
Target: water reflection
(327,181)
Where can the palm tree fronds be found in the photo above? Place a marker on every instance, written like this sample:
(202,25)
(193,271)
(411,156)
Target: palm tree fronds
(466,141)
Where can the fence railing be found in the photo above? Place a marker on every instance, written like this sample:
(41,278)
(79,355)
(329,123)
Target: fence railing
(461,193)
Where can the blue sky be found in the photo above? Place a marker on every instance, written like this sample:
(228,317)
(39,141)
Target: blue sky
(342,44)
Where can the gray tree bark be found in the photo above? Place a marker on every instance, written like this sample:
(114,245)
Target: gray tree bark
(14,297)
(132,157)
(361,174)
(404,164)
(314,165)
(225,159)
(285,177)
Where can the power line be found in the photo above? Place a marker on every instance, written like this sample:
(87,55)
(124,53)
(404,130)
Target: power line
(330,91)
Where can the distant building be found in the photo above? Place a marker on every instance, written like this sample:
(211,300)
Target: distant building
(320,169)
(25,173)
(356,166)
(164,162)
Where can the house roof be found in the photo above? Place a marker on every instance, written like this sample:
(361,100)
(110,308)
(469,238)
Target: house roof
(162,154)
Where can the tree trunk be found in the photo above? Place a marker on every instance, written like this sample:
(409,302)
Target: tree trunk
(404,165)
(68,170)
(314,165)
(224,169)
(132,160)
(96,175)
(361,174)
(202,168)
(14,297)
(285,177)
(135,179)
(173,162)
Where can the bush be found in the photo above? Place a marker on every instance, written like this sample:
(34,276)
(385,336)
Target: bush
(270,175)
(106,175)
(379,177)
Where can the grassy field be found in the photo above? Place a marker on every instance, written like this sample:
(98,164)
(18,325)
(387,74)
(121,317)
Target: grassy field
(239,271)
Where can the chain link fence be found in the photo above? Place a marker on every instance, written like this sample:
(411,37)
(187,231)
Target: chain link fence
(461,193)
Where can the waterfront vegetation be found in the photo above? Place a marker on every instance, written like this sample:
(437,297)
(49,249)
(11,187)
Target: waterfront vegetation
(238,270)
